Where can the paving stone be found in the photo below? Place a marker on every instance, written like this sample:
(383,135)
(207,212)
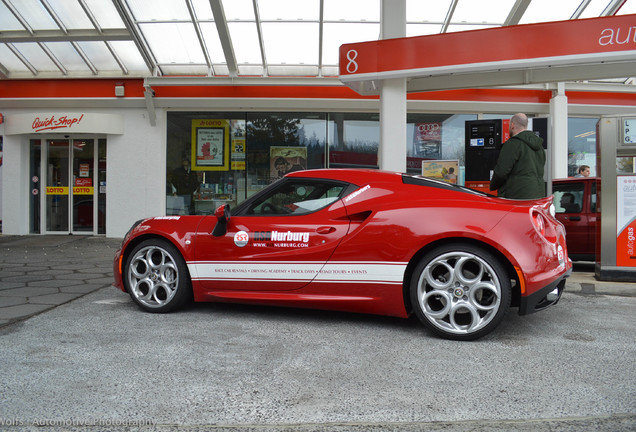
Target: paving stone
(21,311)
(54,299)
(10,285)
(55,283)
(28,292)
(12,301)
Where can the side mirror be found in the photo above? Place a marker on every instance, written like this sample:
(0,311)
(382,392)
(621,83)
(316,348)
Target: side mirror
(222,214)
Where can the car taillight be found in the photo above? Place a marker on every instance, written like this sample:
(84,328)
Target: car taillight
(539,222)
(544,224)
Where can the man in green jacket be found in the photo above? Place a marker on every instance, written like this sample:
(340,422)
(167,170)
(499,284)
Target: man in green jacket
(518,173)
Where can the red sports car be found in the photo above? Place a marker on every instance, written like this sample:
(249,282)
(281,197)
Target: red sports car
(355,240)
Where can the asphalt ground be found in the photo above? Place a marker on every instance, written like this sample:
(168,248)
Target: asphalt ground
(86,358)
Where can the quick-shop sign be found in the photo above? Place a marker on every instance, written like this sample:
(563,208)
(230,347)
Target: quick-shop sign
(64,122)
(53,123)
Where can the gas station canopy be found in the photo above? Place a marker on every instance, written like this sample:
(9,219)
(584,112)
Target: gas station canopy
(518,55)
(243,38)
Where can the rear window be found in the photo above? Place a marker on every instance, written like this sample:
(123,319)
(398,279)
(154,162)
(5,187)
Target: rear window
(568,197)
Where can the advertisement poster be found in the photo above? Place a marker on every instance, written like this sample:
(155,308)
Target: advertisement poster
(210,145)
(238,144)
(286,159)
(238,154)
(445,170)
(626,221)
(428,140)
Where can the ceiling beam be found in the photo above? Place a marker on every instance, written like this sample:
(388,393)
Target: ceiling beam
(23,59)
(516,12)
(320,36)
(224,35)
(4,72)
(18,16)
(259,31)
(449,16)
(142,45)
(152,82)
(579,10)
(197,29)
(15,36)
(53,58)
(613,7)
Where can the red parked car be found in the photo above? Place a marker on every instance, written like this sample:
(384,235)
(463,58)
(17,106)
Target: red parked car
(575,203)
(365,241)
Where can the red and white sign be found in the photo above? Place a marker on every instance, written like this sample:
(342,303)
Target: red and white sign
(541,45)
(84,170)
(428,132)
(626,221)
(66,122)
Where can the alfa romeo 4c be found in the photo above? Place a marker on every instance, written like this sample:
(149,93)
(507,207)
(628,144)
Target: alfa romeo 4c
(365,241)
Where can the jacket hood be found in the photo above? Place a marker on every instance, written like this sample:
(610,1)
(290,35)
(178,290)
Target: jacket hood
(531,139)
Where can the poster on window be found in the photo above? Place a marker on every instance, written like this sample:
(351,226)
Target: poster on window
(283,160)
(428,140)
(238,144)
(210,145)
(445,170)
(626,221)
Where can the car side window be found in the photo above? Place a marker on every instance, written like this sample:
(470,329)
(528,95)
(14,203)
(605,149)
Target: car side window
(297,197)
(568,197)
(593,198)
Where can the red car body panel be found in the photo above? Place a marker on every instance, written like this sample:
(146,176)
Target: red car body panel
(357,253)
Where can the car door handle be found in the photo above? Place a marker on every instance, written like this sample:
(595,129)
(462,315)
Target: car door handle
(325,229)
(573,218)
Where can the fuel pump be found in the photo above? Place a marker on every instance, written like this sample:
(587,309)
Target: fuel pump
(616,232)
(483,141)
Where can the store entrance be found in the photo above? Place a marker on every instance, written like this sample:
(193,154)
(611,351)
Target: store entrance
(72,193)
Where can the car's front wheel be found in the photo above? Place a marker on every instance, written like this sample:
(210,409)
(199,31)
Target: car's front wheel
(460,291)
(156,276)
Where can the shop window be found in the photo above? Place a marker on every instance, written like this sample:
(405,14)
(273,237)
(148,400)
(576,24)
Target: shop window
(354,139)
(581,144)
(216,158)
(435,137)
(223,158)
(279,143)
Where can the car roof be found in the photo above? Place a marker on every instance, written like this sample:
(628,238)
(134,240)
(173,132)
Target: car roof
(575,179)
(357,176)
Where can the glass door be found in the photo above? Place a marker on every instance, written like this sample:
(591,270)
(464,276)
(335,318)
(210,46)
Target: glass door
(83,190)
(73,168)
(57,185)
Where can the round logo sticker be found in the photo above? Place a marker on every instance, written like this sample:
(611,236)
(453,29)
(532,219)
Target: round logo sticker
(241,238)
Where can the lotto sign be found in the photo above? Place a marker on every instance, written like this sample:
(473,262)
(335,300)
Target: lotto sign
(82,190)
(57,190)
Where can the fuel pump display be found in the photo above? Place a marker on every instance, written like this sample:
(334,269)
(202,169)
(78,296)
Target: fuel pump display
(483,141)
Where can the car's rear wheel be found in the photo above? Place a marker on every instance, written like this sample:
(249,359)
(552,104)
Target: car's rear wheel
(156,276)
(460,291)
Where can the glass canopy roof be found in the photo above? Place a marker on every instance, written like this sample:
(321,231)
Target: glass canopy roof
(235,38)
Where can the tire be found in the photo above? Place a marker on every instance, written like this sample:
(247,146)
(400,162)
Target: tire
(460,291)
(156,276)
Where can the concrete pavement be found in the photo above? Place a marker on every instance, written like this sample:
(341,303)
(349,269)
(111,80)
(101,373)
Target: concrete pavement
(38,273)
(97,362)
